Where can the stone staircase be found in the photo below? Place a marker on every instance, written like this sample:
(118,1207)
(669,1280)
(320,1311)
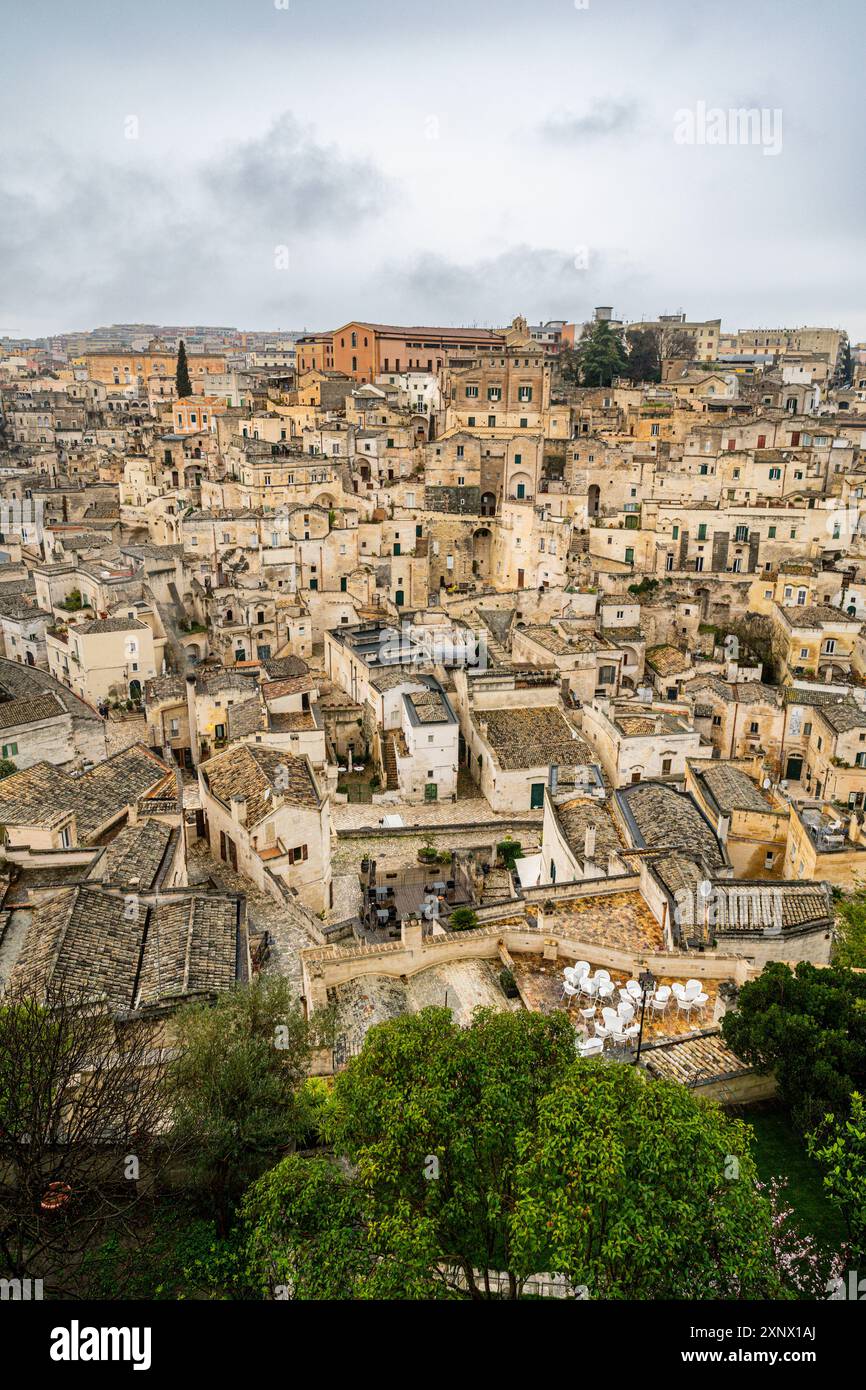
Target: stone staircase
(169,619)
(497,887)
(389,763)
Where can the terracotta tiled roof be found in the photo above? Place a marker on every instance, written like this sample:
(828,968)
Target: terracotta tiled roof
(731,789)
(134,856)
(265,777)
(532,738)
(30,710)
(42,795)
(86,941)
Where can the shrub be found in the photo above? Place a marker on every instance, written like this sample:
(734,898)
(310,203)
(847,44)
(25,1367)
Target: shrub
(509,851)
(463,919)
(508,984)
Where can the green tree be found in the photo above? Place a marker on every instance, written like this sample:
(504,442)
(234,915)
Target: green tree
(850,945)
(7,767)
(184,385)
(464,1151)
(307,1233)
(429,1113)
(845,371)
(600,354)
(568,364)
(808,1026)
(839,1145)
(636,1190)
(643,358)
(236,1086)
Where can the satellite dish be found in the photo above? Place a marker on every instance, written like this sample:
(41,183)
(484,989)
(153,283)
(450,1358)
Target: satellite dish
(766,784)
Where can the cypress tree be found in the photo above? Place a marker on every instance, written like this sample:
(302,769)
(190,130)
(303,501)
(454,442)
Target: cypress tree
(184,385)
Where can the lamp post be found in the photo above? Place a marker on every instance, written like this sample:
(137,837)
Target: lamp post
(647,982)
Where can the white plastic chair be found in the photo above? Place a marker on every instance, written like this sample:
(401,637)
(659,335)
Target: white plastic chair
(588,1014)
(660,1000)
(581,967)
(593,1047)
(634,989)
(685,1004)
(626,1011)
(601,1031)
(570,974)
(693,987)
(605,990)
(569,992)
(610,1016)
(631,1032)
(602,974)
(700,1002)
(589,987)
(677,989)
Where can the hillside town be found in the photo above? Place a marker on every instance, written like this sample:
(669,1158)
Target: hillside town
(410,669)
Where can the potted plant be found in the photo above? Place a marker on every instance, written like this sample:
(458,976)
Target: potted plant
(428,853)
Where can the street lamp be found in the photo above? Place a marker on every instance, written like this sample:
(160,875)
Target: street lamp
(647,982)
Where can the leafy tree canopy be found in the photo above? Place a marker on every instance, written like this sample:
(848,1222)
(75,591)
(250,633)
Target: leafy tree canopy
(809,1027)
(464,1151)
(236,1086)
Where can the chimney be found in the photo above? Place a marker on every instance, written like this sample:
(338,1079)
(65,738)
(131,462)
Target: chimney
(239,809)
(589,843)
(194,744)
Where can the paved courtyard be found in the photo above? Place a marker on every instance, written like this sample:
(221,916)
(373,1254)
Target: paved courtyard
(354,815)
(401,851)
(540,983)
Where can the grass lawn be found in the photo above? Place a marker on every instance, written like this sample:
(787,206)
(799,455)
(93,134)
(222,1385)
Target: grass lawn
(780,1153)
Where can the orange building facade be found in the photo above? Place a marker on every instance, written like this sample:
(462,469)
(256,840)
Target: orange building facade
(131,368)
(364,351)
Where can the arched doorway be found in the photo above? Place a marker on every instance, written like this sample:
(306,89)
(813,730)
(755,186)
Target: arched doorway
(593,503)
(488,504)
(481,542)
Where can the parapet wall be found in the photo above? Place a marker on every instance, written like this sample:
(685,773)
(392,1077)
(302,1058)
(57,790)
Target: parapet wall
(327,967)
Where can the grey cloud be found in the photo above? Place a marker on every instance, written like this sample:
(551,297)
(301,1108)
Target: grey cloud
(288,179)
(82,240)
(603,119)
(537,281)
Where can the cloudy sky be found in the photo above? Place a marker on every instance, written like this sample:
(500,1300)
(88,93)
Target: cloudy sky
(296,163)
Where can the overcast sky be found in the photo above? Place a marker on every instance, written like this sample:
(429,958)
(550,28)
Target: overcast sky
(452,162)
